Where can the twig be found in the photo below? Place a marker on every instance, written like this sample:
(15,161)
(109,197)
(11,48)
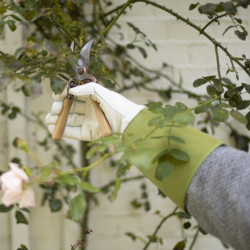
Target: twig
(117,17)
(205,103)
(213,20)
(217,59)
(194,239)
(86,169)
(159,226)
(112,183)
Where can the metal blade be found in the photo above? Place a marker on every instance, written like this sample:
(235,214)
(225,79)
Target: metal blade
(83,60)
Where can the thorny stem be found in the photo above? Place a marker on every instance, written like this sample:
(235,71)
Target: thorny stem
(112,183)
(217,60)
(117,17)
(97,18)
(213,20)
(204,103)
(194,239)
(159,226)
(86,169)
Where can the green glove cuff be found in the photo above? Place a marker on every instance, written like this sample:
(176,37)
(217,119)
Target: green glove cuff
(198,145)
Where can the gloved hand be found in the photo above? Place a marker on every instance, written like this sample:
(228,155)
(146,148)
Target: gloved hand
(82,123)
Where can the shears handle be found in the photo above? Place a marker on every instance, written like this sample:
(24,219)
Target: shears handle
(62,119)
(104,125)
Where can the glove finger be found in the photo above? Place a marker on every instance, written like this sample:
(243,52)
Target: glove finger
(77,107)
(83,92)
(69,132)
(51,119)
(74,120)
(56,107)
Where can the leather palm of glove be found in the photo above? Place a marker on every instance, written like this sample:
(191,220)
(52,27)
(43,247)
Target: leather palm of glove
(82,123)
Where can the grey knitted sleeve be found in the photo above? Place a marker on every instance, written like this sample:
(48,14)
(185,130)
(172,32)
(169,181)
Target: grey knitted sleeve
(219,196)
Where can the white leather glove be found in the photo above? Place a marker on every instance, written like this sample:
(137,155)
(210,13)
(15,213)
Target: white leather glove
(82,123)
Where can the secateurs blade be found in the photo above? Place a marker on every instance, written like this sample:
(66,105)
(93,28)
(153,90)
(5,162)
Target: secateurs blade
(82,77)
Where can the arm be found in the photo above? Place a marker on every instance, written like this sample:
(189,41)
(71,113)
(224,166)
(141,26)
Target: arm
(219,196)
(185,186)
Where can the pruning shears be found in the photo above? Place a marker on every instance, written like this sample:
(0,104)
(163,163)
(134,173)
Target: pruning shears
(82,77)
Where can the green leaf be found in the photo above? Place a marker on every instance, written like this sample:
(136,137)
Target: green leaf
(88,187)
(199,82)
(218,85)
(17,18)
(68,179)
(163,170)
(3,8)
(235,100)
(183,215)
(46,170)
(57,85)
(243,3)
(211,90)
(181,106)
(12,25)
(14,111)
(241,34)
(27,89)
(97,149)
(30,14)
(121,170)
(179,155)
(154,121)
(193,6)
(229,8)
(227,81)
(187,225)
(184,118)
(220,115)
(152,238)
(109,83)
(19,51)
(77,207)
(130,46)
(20,218)
(136,29)
(176,139)
(4,209)
(135,203)
(132,236)
(201,109)
(22,247)
(209,8)
(143,51)
(180,245)
(238,116)
(247,65)
(161,154)
(139,158)
(243,105)
(55,205)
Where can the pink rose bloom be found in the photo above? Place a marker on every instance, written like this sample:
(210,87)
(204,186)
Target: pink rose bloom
(12,186)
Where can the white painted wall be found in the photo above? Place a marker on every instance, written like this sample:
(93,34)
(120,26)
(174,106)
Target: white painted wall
(192,56)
